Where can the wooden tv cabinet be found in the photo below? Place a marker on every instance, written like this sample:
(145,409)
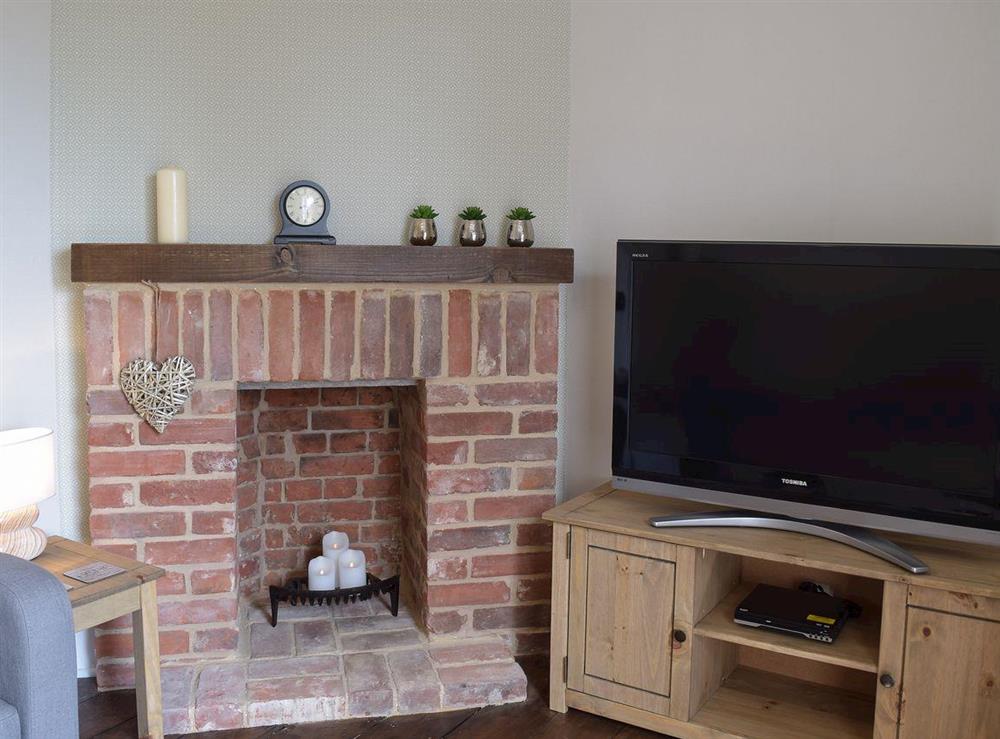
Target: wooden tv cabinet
(642,630)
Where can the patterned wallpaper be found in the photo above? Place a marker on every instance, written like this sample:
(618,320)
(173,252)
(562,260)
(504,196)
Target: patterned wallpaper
(386,103)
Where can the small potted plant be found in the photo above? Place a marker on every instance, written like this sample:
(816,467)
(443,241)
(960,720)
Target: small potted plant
(422,230)
(520,232)
(473,231)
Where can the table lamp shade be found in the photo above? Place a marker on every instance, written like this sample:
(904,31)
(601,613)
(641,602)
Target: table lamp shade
(27,476)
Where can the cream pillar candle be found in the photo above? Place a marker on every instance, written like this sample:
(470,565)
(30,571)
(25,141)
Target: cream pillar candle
(351,569)
(171,206)
(322,574)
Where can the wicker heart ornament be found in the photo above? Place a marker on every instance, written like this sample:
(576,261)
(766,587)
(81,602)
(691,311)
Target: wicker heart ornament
(157,392)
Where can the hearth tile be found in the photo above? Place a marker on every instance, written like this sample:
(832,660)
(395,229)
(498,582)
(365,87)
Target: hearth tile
(217,717)
(287,688)
(370,703)
(312,637)
(420,699)
(268,641)
(327,664)
(477,684)
(176,686)
(380,605)
(418,689)
(366,672)
(176,720)
(460,651)
(386,622)
(258,612)
(380,640)
(296,711)
(220,697)
(369,686)
(221,684)
(351,610)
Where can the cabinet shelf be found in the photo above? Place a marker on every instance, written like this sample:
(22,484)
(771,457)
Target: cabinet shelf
(753,703)
(856,647)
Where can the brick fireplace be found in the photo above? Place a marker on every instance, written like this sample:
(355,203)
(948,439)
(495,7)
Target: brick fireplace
(420,419)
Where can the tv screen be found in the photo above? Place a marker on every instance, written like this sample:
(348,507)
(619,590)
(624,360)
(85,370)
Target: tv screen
(860,377)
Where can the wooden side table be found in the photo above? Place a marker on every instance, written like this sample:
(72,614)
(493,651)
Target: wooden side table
(132,591)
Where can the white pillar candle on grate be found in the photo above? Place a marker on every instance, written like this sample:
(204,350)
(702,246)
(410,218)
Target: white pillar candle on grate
(351,569)
(322,574)
(335,543)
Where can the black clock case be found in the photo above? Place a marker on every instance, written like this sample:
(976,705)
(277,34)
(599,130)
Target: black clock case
(293,233)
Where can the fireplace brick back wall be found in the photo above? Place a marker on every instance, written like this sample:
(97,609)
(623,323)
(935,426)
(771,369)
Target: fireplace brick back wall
(478,444)
(309,456)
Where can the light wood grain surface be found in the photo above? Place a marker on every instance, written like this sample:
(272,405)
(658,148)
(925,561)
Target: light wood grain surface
(934,637)
(622,589)
(64,554)
(130,592)
(752,703)
(890,660)
(954,690)
(856,646)
(968,568)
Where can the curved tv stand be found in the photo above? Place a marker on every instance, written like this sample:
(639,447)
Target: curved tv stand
(854,536)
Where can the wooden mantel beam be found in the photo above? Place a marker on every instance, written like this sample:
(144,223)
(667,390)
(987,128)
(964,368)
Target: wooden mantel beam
(179,263)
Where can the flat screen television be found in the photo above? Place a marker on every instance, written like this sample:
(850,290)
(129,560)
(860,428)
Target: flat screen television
(855,383)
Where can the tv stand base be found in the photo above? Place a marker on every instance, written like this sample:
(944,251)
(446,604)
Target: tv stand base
(642,629)
(854,536)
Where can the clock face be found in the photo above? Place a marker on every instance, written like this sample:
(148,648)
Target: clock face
(304,205)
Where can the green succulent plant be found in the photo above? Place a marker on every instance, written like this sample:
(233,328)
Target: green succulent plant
(520,214)
(472,213)
(423,211)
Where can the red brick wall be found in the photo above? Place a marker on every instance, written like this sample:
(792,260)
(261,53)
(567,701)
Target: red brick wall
(481,460)
(413,514)
(316,460)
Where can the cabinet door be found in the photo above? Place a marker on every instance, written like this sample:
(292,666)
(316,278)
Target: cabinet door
(621,618)
(951,677)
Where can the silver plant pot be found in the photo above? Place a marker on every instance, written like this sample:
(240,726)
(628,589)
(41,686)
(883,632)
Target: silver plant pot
(520,233)
(473,233)
(423,232)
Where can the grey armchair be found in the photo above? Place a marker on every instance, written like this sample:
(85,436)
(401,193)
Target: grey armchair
(38,698)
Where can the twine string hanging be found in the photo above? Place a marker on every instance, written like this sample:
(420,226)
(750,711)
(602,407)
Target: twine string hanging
(155,287)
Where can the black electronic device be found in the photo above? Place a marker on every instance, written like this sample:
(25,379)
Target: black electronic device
(807,614)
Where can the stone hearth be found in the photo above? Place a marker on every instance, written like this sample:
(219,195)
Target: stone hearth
(320,664)
(421,419)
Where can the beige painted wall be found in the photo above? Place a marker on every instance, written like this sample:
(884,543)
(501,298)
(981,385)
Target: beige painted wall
(387,104)
(826,121)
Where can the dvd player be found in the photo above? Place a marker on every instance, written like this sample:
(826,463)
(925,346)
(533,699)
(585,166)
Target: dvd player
(814,616)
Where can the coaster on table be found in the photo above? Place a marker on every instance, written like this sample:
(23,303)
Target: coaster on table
(93,572)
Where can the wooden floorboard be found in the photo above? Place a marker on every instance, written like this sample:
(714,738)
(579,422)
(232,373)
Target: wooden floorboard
(105,711)
(112,716)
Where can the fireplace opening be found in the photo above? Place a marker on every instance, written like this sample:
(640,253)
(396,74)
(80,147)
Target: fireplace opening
(314,460)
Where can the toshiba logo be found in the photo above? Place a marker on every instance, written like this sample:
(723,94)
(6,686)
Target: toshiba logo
(792,481)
